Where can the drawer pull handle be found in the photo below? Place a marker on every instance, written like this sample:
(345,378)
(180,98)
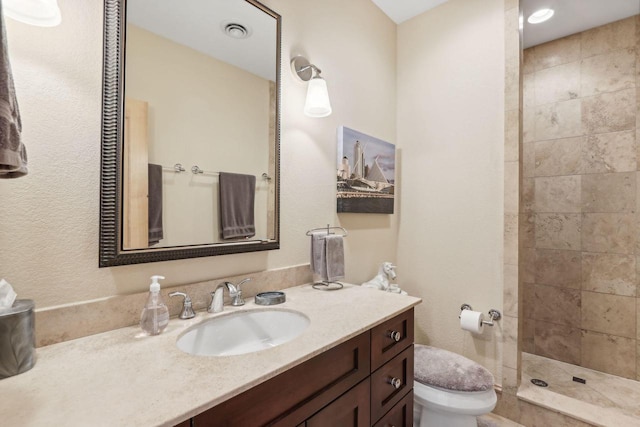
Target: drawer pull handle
(395,382)
(394,335)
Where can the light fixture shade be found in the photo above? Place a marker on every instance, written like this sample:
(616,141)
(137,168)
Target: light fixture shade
(43,13)
(317,103)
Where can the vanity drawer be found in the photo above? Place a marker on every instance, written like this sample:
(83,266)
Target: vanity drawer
(400,415)
(349,410)
(391,383)
(293,396)
(390,338)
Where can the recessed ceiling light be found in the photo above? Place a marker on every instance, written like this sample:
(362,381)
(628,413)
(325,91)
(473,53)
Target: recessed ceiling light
(540,16)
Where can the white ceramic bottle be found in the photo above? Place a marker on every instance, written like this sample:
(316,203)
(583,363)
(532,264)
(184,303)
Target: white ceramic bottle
(155,314)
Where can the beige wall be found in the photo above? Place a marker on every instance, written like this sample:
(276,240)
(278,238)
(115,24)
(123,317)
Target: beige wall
(219,121)
(451,135)
(581,193)
(49,219)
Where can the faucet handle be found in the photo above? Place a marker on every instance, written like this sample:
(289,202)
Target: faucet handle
(187,306)
(235,292)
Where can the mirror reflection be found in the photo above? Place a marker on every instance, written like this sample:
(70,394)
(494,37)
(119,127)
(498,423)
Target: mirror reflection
(190,130)
(199,131)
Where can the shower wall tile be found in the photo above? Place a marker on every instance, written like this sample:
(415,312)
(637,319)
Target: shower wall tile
(511,187)
(528,61)
(510,237)
(557,52)
(638,362)
(559,342)
(610,152)
(528,195)
(556,84)
(609,273)
(558,231)
(528,124)
(528,301)
(608,112)
(609,72)
(528,231)
(612,192)
(563,119)
(558,194)
(610,37)
(528,336)
(638,321)
(557,305)
(559,157)
(529,91)
(528,160)
(580,199)
(510,296)
(528,265)
(509,341)
(512,136)
(609,314)
(610,233)
(610,354)
(558,268)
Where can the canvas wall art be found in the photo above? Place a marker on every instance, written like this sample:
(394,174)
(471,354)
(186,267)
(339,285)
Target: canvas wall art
(366,173)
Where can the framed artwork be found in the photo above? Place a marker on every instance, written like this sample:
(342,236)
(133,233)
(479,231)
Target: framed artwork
(366,173)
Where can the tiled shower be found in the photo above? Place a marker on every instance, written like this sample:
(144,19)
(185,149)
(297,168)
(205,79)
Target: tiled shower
(581,199)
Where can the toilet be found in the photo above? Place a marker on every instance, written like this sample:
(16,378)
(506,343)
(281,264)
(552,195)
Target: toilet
(449,389)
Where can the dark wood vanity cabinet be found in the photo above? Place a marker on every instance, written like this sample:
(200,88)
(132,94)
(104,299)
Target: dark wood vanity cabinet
(366,381)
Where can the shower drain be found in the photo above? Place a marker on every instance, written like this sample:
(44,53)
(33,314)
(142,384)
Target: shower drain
(539,383)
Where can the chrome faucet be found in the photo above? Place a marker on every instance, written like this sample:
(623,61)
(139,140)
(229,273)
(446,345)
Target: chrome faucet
(235,292)
(217,300)
(187,307)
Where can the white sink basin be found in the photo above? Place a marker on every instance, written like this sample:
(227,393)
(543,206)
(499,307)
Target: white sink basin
(243,332)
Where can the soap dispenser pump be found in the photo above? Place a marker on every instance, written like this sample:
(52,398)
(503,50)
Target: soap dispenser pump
(155,315)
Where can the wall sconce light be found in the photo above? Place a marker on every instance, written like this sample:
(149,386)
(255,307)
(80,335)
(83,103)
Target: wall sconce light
(317,103)
(42,13)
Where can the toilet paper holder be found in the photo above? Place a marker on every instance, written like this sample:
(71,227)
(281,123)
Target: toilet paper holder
(494,314)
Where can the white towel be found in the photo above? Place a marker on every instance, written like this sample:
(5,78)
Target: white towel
(13,155)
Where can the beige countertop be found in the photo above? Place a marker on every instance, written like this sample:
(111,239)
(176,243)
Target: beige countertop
(122,377)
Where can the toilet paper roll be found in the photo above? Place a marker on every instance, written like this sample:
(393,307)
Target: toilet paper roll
(472,321)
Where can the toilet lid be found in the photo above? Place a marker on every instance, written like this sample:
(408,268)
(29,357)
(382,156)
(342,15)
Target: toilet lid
(451,371)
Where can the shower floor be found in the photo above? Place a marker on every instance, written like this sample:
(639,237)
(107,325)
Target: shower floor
(604,400)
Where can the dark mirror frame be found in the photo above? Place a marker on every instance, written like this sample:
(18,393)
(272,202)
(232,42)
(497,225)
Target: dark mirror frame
(111,252)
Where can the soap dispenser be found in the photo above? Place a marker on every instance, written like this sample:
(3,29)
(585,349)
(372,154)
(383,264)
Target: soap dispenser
(155,315)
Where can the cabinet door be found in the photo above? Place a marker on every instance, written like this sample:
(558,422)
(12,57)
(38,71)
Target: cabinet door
(349,410)
(400,415)
(293,396)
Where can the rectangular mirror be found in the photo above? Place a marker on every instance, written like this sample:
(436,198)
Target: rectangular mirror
(190,129)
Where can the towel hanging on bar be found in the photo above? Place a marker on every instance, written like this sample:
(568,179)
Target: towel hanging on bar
(13,154)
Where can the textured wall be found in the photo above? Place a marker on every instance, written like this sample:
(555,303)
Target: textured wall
(451,133)
(49,219)
(581,192)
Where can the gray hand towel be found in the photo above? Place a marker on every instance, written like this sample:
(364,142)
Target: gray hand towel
(334,257)
(155,204)
(237,201)
(319,254)
(13,154)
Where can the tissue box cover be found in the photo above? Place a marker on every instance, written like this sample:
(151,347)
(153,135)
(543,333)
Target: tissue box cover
(17,338)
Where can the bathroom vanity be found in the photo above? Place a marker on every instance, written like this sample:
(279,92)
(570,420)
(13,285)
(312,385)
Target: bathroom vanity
(349,364)
(366,381)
